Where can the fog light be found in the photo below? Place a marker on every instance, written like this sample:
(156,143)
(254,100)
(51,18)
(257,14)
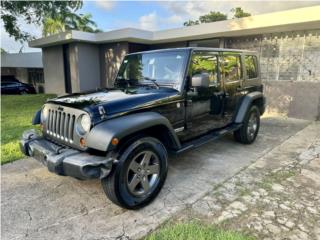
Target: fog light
(114,141)
(82,142)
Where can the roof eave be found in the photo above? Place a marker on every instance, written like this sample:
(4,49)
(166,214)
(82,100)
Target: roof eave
(290,20)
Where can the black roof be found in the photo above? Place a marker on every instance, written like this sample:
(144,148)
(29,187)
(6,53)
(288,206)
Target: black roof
(199,49)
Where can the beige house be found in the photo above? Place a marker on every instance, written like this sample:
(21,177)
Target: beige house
(288,43)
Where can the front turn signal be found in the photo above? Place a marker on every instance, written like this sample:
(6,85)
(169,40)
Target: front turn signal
(114,141)
(82,142)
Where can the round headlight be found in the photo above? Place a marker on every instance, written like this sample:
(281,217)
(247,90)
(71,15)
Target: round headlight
(44,113)
(84,123)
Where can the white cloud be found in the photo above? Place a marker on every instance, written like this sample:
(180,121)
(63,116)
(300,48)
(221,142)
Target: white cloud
(149,21)
(107,5)
(186,10)
(153,21)
(174,19)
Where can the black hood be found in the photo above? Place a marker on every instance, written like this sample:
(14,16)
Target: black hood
(115,101)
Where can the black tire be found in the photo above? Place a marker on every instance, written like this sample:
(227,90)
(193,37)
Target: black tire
(120,186)
(23,92)
(247,133)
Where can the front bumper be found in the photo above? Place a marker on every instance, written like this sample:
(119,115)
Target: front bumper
(63,160)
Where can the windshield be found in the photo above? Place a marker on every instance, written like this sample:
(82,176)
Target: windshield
(155,68)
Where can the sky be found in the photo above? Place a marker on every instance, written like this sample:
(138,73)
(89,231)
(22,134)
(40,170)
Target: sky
(154,15)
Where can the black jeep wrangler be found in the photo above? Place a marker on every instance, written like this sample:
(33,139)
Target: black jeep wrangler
(163,101)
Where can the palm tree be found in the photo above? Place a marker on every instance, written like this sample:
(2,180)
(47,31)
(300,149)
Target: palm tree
(81,22)
(70,21)
(52,26)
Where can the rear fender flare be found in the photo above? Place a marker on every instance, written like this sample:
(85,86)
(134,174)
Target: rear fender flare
(100,136)
(245,105)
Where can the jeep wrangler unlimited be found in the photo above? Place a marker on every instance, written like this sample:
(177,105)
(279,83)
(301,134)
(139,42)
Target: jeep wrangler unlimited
(163,101)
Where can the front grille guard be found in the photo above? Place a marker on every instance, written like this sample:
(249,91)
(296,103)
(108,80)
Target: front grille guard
(60,125)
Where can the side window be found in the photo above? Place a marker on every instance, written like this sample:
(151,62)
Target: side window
(11,84)
(205,62)
(251,66)
(232,68)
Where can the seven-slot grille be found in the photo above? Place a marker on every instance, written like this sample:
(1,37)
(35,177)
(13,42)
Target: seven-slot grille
(60,125)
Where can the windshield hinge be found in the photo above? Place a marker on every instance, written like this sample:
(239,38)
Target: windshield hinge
(102,112)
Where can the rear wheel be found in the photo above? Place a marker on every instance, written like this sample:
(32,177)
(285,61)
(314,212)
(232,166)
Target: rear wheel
(250,128)
(139,175)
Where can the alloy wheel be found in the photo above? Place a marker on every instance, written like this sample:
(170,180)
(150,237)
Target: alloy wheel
(252,125)
(143,173)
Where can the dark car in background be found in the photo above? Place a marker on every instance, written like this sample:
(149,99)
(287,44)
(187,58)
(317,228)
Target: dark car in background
(14,86)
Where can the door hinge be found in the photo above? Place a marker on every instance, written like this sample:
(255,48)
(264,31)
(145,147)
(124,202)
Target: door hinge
(189,103)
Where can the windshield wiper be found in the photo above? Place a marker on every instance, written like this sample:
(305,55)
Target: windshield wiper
(151,80)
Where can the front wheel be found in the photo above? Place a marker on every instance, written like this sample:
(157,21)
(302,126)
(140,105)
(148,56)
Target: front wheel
(139,175)
(250,128)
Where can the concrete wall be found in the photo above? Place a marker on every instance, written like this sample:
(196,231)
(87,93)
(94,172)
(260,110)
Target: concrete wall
(7,71)
(111,56)
(285,56)
(53,69)
(20,73)
(294,99)
(290,69)
(169,45)
(84,66)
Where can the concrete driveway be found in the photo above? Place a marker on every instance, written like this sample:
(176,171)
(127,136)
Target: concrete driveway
(37,204)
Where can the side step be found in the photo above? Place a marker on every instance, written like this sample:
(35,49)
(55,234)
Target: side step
(213,135)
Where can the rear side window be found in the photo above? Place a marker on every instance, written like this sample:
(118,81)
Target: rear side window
(232,68)
(251,66)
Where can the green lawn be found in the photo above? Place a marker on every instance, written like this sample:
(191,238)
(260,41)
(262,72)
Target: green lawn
(16,116)
(195,230)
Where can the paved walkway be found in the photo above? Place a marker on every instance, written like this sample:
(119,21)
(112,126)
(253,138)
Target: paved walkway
(277,197)
(36,204)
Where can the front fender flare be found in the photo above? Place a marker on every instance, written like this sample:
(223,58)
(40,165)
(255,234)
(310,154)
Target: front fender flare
(37,118)
(100,136)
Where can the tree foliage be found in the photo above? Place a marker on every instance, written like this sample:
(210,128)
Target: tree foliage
(55,16)
(238,12)
(32,12)
(191,23)
(212,16)
(81,22)
(52,26)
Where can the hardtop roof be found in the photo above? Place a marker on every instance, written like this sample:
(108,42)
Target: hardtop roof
(197,49)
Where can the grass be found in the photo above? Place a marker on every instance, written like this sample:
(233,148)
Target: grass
(195,230)
(16,116)
(276,177)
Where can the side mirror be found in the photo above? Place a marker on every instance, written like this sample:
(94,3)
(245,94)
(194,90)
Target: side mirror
(200,80)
